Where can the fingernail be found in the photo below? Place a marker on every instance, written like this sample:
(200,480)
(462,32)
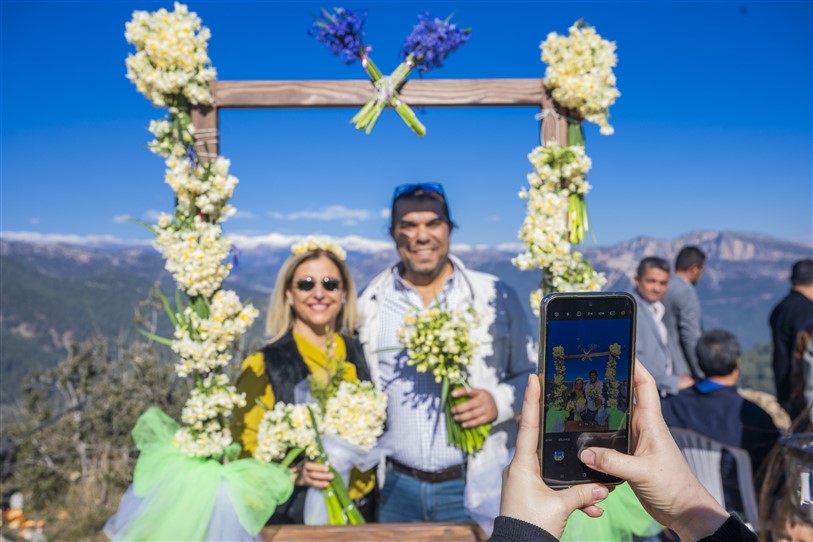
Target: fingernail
(588,457)
(600,493)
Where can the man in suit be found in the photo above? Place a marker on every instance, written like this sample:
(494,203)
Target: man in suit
(683,310)
(652,338)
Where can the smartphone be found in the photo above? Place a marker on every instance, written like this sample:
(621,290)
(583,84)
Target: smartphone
(586,360)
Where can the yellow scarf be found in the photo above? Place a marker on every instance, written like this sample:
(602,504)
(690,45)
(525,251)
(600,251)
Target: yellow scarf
(320,365)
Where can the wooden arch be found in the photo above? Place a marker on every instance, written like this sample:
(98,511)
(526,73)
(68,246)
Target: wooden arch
(355,93)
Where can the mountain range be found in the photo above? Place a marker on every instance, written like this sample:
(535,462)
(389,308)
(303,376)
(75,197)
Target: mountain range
(58,290)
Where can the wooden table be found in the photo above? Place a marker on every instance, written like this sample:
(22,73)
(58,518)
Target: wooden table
(402,532)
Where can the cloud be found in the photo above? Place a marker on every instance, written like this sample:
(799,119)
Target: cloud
(244,215)
(493,218)
(34,220)
(120,219)
(152,215)
(384,213)
(331,213)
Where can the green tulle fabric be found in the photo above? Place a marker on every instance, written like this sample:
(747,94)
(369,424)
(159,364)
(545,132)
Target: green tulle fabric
(623,517)
(179,491)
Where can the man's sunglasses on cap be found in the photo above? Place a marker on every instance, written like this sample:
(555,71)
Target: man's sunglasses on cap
(411,188)
(308,283)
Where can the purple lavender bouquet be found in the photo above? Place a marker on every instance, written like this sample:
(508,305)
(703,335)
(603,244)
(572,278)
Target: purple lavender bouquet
(341,31)
(431,41)
(426,47)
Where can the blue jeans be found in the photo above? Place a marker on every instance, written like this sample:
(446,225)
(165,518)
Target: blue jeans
(404,499)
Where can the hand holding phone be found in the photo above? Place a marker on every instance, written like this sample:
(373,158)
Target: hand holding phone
(657,472)
(586,352)
(524,495)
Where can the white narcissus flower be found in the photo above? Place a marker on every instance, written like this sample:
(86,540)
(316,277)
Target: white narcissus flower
(580,73)
(196,258)
(356,413)
(559,172)
(171,56)
(437,340)
(287,426)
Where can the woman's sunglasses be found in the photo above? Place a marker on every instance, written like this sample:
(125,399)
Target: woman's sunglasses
(308,283)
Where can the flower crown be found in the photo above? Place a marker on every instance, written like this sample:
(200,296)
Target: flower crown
(311,242)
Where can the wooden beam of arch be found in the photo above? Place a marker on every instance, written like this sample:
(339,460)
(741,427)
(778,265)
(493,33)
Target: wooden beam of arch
(355,93)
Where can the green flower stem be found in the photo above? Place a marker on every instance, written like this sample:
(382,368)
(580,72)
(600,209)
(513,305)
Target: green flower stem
(366,118)
(575,132)
(348,508)
(293,453)
(334,508)
(469,439)
(339,490)
(578,223)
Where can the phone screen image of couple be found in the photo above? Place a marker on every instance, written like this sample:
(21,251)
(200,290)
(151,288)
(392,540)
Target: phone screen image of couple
(587,392)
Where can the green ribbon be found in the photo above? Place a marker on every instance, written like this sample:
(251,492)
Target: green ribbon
(179,492)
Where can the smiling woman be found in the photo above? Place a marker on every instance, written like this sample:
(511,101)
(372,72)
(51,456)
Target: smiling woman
(311,324)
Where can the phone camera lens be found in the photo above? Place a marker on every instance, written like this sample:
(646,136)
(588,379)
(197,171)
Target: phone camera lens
(612,313)
(556,314)
(579,313)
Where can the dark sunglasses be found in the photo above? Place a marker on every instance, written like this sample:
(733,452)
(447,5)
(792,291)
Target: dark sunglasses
(308,283)
(411,188)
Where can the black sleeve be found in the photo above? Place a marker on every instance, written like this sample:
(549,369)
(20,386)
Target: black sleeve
(355,355)
(733,530)
(515,530)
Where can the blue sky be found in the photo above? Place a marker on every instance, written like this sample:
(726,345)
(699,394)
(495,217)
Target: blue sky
(713,126)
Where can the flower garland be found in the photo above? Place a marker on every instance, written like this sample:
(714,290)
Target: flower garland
(560,389)
(558,176)
(610,375)
(426,47)
(438,340)
(579,77)
(171,67)
(313,242)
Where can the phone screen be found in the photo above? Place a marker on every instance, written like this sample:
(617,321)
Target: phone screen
(586,350)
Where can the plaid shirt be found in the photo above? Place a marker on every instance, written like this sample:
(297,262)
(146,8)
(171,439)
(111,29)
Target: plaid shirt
(415,418)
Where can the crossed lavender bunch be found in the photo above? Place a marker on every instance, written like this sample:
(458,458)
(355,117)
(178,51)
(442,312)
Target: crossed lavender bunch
(426,47)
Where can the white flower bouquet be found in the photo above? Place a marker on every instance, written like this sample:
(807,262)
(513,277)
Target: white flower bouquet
(437,340)
(342,435)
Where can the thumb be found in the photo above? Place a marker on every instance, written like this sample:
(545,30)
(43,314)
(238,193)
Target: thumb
(583,496)
(613,462)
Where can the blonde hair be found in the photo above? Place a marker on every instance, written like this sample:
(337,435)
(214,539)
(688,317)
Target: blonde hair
(281,315)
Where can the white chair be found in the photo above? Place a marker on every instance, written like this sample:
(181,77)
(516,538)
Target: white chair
(703,456)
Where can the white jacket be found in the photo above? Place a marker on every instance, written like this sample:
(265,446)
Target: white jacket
(506,355)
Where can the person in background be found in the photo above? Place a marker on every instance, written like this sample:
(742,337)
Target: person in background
(786,320)
(652,338)
(656,470)
(714,408)
(683,317)
(311,323)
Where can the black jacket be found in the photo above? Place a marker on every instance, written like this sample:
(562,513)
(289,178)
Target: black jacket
(285,367)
